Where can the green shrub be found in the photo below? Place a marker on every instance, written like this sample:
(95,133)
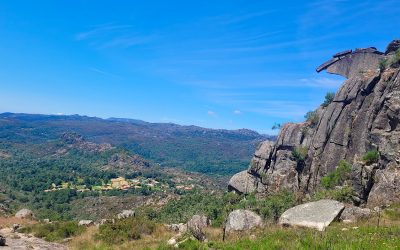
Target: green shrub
(396,57)
(125,230)
(393,212)
(55,231)
(371,157)
(312,117)
(338,176)
(344,194)
(299,154)
(383,64)
(328,99)
(274,205)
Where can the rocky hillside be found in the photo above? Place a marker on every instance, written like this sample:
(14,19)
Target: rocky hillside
(359,130)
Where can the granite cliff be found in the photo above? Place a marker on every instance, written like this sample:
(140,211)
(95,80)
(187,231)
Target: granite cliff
(363,117)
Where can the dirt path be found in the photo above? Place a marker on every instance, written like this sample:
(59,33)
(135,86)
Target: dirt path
(19,241)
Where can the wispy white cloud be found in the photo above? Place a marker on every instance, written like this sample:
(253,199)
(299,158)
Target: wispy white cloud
(281,109)
(112,35)
(238,18)
(237,112)
(99,30)
(102,72)
(321,82)
(211,113)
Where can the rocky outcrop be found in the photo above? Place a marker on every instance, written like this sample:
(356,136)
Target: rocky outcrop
(86,223)
(74,140)
(24,214)
(16,240)
(363,116)
(126,214)
(317,214)
(349,63)
(240,220)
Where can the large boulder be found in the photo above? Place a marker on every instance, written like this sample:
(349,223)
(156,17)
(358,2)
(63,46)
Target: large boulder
(179,228)
(196,226)
(354,214)
(241,220)
(243,183)
(24,214)
(317,214)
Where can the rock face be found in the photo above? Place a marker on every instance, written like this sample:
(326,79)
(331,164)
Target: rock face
(363,116)
(240,220)
(24,214)
(318,214)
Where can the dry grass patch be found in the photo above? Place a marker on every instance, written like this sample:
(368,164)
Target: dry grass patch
(9,221)
(88,241)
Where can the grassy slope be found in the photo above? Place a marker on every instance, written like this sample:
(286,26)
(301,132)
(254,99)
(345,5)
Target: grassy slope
(364,235)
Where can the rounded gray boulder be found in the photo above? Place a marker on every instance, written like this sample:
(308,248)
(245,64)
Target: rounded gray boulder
(240,220)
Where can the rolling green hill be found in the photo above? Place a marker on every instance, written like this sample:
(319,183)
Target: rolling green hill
(209,151)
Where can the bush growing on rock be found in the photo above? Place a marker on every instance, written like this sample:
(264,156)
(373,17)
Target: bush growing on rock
(383,64)
(328,99)
(299,154)
(312,117)
(371,157)
(396,57)
(344,194)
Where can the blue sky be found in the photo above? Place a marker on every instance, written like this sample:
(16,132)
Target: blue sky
(224,64)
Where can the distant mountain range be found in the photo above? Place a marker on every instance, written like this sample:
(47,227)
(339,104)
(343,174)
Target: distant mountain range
(193,148)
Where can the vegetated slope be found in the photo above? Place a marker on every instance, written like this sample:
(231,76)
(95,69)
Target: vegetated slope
(210,151)
(65,177)
(349,147)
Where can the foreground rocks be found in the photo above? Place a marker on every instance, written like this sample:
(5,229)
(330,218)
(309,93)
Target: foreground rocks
(354,214)
(240,220)
(24,214)
(180,228)
(317,214)
(19,241)
(363,116)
